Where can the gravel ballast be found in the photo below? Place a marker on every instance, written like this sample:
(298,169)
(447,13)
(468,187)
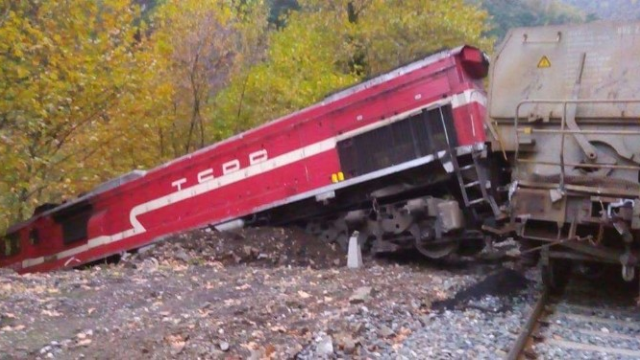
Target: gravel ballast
(262,293)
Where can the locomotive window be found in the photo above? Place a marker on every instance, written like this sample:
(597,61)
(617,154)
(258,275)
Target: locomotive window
(441,128)
(74,221)
(74,229)
(11,244)
(34,237)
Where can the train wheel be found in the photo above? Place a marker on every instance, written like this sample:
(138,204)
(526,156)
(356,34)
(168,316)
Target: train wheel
(555,274)
(329,232)
(437,251)
(431,247)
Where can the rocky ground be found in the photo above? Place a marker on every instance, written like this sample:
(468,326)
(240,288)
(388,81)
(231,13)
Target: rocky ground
(262,293)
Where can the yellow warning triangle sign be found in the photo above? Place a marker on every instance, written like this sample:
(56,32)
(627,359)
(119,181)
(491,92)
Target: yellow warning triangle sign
(544,62)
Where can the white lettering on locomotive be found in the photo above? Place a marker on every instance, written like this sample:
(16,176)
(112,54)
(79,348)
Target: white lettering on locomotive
(178,183)
(203,176)
(230,166)
(206,175)
(258,157)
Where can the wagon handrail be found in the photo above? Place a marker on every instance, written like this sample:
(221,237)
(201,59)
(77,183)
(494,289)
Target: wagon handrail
(563,130)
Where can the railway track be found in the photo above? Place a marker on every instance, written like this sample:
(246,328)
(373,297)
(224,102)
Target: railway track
(581,322)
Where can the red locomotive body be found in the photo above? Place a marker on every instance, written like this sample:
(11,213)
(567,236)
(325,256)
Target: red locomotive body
(437,103)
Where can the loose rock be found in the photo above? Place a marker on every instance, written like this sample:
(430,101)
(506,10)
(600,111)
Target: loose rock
(224,346)
(385,331)
(361,295)
(325,346)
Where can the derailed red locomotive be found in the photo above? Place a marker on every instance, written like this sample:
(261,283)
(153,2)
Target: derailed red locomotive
(401,157)
(410,159)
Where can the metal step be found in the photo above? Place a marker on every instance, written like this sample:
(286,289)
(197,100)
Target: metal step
(472,184)
(476,183)
(476,201)
(482,183)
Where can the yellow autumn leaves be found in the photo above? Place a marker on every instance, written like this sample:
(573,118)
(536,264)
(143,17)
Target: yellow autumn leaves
(90,90)
(70,76)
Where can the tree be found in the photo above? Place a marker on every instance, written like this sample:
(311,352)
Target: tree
(507,14)
(90,90)
(71,78)
(205,42)
(278,10)
(329,45)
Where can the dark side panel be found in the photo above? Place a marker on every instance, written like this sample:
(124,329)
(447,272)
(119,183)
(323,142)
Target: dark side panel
(422,134)
(74,221)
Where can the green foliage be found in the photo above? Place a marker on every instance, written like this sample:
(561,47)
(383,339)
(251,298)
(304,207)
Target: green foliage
(301,68)
(202,44)
(507,14)
(92,89)
(278,9)
(329,45)
(66,96)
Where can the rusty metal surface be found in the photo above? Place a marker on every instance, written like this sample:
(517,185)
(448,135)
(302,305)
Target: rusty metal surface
(590,152)
(524,339)
(538,204)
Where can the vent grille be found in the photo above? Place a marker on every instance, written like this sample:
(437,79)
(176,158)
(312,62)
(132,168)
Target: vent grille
(405,140)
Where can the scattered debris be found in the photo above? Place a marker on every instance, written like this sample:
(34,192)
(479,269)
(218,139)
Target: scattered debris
(257,246)
(505,282)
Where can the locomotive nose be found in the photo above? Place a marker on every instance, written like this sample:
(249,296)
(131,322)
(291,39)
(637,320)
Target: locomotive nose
(474,62)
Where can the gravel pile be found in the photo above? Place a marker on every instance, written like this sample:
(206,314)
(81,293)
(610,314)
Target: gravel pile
(468,334)
(256,246)
(482,323)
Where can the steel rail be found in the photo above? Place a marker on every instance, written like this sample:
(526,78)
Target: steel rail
(529,326)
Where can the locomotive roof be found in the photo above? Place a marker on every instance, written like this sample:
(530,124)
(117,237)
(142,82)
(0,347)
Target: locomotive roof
(333,98)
